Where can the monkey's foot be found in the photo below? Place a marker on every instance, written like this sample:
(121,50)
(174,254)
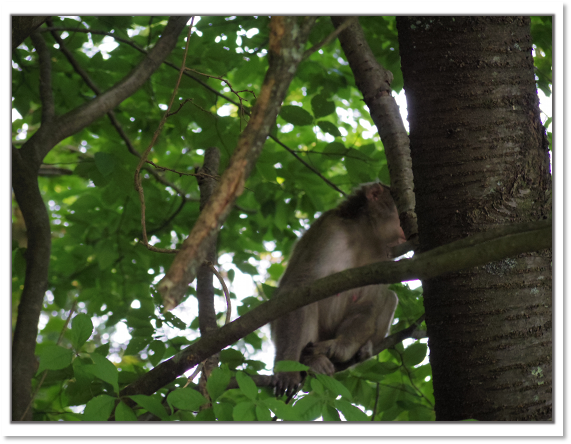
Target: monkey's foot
(287,383)
(318,363)
(338,350)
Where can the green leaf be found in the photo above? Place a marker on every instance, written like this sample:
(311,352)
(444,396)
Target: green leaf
(105,370)
(82,371)
(359,167)
(223,411)
(247,385)
(247,268)
(206,415)
(124,413)
(263,413)
(281,409)
(136,344)
(296,115)
(336,148)
(254,340)
(335,386)
(350,412)
(330,414)
(54,357)
(328,127)
(232,357)
(267,171)
(244,411)
(290,366)
(414,354)
(281,214)
(317,386)
(218,382)
(99,408)
(186,399)
(152,405)
(158,348)
(175,321)
(309,407)
(379,370)
(105,163)
(421,413)
(387,397)
(268,289)
(322,107)
(103,350)
(81,329)
(106,254)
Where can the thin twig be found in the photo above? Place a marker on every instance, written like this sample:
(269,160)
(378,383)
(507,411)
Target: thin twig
(224,288)
(138,184)
(329,38)
(83,74)
(219,94)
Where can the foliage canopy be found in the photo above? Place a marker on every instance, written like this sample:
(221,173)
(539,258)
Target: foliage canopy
(102,274)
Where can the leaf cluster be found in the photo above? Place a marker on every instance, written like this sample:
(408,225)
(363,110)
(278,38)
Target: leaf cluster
(98,263)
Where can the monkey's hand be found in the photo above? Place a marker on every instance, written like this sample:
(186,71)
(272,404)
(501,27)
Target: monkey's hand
(287,383)
(338,350)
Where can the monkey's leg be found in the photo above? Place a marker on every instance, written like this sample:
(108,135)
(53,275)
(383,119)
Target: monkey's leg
(291,333)
(387,306)
(367,321)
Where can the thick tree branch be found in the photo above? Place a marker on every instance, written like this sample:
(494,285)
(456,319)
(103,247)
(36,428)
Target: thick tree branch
(29,198)
(286,49)
(204,278)
(479,250)
(23,26)
(374,83)
(46,93)
(26,162)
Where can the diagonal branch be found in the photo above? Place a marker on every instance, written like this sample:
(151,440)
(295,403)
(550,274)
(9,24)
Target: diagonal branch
(23,26)
(26,162)
(374,81)
(46,93)
(214,91)
(73,121)
(286,49)
(479,250)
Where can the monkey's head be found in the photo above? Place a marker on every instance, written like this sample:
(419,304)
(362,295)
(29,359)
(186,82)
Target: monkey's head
(373,206)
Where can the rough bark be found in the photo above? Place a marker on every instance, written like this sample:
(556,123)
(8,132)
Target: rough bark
(204,276)
(287,41)
(23,26)
(374,83)
(480,160)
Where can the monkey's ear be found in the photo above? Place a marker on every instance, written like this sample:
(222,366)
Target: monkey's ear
(374,191)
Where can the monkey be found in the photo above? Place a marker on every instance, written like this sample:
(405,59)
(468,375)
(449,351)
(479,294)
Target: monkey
(343,328)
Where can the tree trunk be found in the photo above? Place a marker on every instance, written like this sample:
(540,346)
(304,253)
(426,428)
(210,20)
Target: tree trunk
(480,160)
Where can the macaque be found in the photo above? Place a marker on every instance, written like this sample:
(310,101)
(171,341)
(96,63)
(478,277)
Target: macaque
(343,328)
